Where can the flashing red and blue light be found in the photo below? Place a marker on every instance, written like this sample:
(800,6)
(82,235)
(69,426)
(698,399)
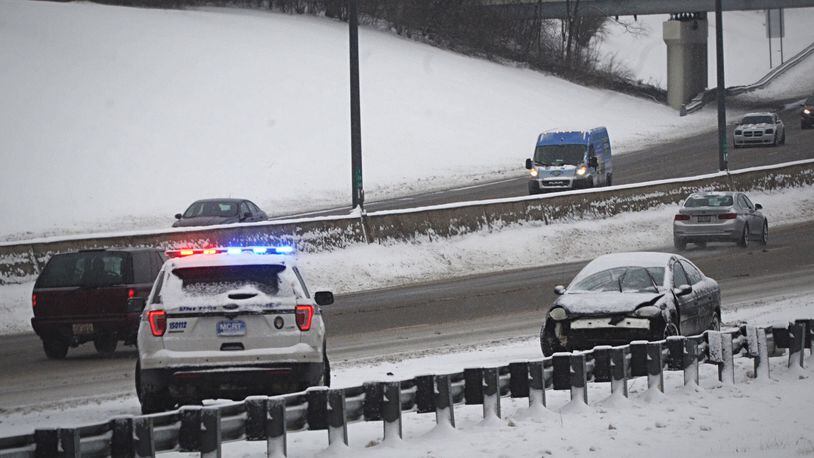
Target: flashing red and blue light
(230,250)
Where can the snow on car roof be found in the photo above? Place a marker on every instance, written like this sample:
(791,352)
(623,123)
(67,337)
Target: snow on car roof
(223,259)
(762,113)
(634,258)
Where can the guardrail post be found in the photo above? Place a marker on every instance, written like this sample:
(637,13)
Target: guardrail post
(759,351)
(619,369)
(391,411)
(189,435)
(675,350)
(602,363)
(255,418)
(473,381)
(491,392)
(561,364)
(796,340)
(425,393)
(579,377)
(519,380)
(537,384)
(121,441)
(276,445)
(444,411)
(655,366)
(317,408)
(46,442)
(690,362)
(145,440)
(638,358)
(726,370)
(809,335)
(71,442)
(372,406)
(210,433)
(337,423)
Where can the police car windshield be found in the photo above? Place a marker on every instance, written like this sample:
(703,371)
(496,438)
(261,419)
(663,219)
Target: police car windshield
(622,280)
(757,120)
(559,154)
(268,279)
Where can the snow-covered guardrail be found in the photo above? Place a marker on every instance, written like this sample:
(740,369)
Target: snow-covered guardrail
(269,419)
(708,95)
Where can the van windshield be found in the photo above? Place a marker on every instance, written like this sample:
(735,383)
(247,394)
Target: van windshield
(89,269)
(559,154)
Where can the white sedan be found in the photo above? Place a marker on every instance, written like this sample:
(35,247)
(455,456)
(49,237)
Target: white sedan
(760,129)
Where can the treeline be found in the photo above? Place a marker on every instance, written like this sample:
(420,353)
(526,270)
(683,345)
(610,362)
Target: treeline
(563,47)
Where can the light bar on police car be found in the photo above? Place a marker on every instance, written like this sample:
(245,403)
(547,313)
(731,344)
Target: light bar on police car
(230,250)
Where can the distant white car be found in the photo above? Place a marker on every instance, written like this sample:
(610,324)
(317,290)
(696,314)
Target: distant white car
(228,323)
(760,129)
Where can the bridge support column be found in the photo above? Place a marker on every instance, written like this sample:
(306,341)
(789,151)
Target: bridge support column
(686,39)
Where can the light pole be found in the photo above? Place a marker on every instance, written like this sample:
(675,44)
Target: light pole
(357,191)
(723,145)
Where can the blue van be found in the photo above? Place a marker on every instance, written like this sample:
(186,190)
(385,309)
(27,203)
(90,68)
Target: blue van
(570,160)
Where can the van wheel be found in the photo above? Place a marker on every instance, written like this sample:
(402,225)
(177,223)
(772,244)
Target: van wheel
(105,344)
(55,348)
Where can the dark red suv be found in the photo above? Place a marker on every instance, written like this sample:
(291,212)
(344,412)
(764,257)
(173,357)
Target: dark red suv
(83,296)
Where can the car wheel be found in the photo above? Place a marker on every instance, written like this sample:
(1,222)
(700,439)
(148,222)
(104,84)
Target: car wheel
(735,145)
(153,401)
(715,324)
(764,236)
(744,240)
(106,343)
(783,138)
(680,243)
(55,348)
(549,343)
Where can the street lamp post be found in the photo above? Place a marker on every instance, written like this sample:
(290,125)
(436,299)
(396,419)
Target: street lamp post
(723,155)
(357,191)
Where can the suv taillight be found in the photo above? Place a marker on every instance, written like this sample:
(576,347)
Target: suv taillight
(158,322)
(727,216)
(131,293)
(304,315)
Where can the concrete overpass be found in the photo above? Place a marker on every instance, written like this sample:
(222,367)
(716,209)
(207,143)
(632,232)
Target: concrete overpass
(685,33)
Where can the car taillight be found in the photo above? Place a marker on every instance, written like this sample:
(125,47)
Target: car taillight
(682,218)
(131,293)
(158,322)
(304,315)
(727,216)
(34,301)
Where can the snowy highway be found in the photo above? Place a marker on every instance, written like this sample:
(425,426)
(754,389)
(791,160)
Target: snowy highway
(378,324)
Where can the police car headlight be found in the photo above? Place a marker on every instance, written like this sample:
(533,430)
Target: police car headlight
(533,171)
(582,170)
(558,314)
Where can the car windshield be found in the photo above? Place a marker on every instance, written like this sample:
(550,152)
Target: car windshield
(559,154)
(708,201)
(757,120)
(216,280)
(630,279)
(209,208)
(87,269)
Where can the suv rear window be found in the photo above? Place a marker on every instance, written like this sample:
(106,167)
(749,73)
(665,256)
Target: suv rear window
(216,280)
(92,269)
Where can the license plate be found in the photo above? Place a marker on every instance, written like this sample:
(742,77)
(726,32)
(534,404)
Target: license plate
(704,219)
(83,328)
(231,328)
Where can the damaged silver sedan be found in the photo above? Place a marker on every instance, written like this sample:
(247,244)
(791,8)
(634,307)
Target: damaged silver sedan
(622,297)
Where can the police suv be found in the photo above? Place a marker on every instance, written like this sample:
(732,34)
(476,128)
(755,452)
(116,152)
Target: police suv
(228,323)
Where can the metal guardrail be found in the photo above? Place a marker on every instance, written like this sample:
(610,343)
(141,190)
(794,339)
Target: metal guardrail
(269,419)
(708,95)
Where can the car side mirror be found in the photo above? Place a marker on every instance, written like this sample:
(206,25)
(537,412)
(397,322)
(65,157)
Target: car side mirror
(178,216)
(593,163)
(559,290)
(136,304)
(758,207)
(683,290)
(324,297)
(529,164)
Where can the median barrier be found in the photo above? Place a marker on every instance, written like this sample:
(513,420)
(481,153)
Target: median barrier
(22,261)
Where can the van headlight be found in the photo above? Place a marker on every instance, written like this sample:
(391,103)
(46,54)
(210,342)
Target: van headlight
(533,172)
(558,314)
(582,171)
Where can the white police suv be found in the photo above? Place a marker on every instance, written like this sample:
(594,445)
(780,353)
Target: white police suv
(228,323)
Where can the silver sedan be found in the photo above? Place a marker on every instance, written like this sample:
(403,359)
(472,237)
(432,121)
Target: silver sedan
(719,217)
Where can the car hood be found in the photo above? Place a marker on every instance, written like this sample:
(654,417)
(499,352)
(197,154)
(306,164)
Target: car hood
(605,303)
(204,221)
(556,171)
